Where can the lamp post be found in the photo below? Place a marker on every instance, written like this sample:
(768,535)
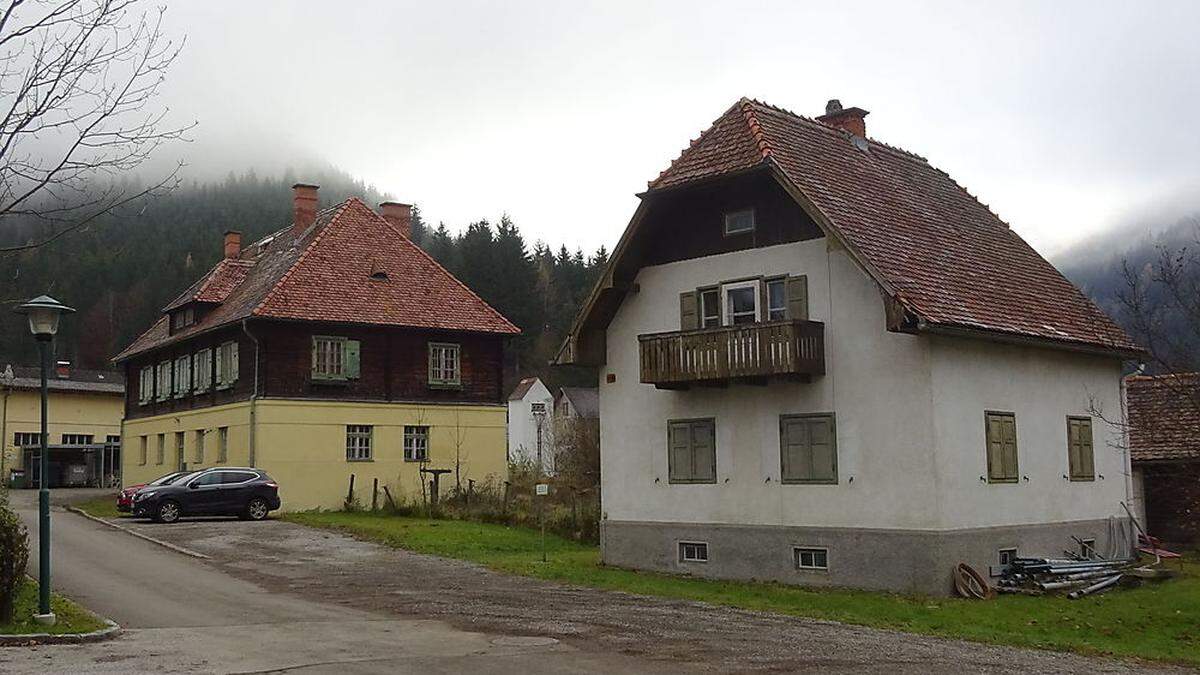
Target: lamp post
(43,313)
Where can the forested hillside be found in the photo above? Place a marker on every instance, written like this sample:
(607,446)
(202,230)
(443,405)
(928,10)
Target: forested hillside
(119,273)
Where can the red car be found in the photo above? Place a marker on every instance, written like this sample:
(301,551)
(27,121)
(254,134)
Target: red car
(125,497)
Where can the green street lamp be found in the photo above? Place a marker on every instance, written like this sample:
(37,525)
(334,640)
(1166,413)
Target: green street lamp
(43,313)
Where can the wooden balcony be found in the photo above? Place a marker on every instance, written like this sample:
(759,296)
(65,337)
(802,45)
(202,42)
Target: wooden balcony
(749,352)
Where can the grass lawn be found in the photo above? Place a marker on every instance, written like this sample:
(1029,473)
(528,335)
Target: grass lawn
(101,507)
(1156,621)
(71,617)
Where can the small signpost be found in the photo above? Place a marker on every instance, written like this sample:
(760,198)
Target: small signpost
(542,490)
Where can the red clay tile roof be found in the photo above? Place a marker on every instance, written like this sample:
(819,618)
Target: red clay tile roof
(938,251)
(326,275)
(1164,416)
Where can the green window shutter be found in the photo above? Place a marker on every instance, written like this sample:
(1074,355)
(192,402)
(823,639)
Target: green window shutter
(995,448)
(1010,448)
(794,463)
(824,449)
(1085,449)
(1074,460)
(679,454)
(313,370)
(352,359)
(797,298)
(704,452)
(233,362)
(688,319)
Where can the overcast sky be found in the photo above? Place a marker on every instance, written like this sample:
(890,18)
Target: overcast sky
(1066,118)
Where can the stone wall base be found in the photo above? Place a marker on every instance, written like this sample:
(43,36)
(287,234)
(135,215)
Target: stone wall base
(906,561)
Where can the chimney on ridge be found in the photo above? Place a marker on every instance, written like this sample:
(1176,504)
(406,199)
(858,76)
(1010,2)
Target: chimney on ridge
(304,207)
(399,216)
(847,119)
(233,243)
(62,370)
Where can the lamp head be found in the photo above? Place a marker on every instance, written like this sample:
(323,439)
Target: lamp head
(43,313)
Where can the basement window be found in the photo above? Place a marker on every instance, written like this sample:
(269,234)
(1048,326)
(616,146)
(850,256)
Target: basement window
(1087,548)
(739,222)
(1007,556)
(811,558)
(693,551)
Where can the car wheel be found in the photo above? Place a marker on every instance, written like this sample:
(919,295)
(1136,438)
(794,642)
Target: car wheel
(256,509)
(168,512)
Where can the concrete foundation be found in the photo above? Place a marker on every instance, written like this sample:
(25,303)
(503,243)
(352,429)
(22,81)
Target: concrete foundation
(907,561)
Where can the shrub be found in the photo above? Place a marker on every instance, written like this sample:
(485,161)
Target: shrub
(14,556)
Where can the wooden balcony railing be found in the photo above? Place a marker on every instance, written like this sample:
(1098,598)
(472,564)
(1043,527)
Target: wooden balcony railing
(678,359)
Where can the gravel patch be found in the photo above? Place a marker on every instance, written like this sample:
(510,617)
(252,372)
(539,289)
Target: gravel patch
(334,568)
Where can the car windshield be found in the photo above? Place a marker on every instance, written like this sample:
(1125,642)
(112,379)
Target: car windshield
(168,479)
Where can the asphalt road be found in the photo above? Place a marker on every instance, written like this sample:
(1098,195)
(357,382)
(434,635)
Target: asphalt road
(183,614)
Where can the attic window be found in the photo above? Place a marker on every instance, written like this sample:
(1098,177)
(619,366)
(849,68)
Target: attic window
(182,318)
(739,222)
(379,275)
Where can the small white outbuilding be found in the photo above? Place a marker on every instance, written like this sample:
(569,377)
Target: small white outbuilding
(530,427)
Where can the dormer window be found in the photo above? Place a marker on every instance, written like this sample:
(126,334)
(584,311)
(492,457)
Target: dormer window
(739,222)
(182,318)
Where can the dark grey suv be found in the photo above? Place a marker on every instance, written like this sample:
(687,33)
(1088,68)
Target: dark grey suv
(247,493)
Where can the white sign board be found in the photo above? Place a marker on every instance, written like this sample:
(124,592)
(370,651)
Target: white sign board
(542,489)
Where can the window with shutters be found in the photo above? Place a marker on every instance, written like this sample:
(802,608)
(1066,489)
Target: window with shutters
(146,385)
(1080,458)
(183,377)
(1001,431)
(416,443)
(739,222)
(202,370)
(808,449)
(162,382)
(227,365)
(744,302)
(358,442)
(692,451)
(444,365)
(334,358)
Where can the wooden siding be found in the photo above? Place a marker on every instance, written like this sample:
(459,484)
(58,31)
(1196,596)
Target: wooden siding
(679,358)
(394,366)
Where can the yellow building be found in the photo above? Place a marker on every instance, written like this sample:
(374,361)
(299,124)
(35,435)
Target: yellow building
(331,349)
(84,413)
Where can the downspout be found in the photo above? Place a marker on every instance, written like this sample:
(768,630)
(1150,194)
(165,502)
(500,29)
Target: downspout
(254,394)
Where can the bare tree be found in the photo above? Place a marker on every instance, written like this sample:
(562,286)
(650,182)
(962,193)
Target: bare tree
(78,81)
(1160,304)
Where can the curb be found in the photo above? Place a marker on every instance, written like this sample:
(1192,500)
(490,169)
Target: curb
(110,631)
(139,535)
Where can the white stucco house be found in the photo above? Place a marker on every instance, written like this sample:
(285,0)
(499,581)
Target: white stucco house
(530,424)
(821,361)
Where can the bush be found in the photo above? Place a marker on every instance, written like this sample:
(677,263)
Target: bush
(14,556)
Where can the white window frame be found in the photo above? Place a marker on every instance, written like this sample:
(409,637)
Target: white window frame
(766,291)
(731,216)
(358,442)
(227,364)
(693,551)
(1087,548)
(1006,556)
(798,553)
(716,318)
(752,284)
(202,370)
(416,443)
(444,372)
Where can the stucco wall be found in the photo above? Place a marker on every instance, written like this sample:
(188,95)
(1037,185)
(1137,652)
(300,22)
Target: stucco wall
(302,444)
(877,383)
(1042,387)
(522,427)
(95,414)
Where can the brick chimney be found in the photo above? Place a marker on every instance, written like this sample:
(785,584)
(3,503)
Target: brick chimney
(847,119)
(62,370)
(233,243)
(304,207)
(399,215)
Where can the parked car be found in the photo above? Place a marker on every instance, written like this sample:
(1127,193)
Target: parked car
(125,496)
(249,494)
